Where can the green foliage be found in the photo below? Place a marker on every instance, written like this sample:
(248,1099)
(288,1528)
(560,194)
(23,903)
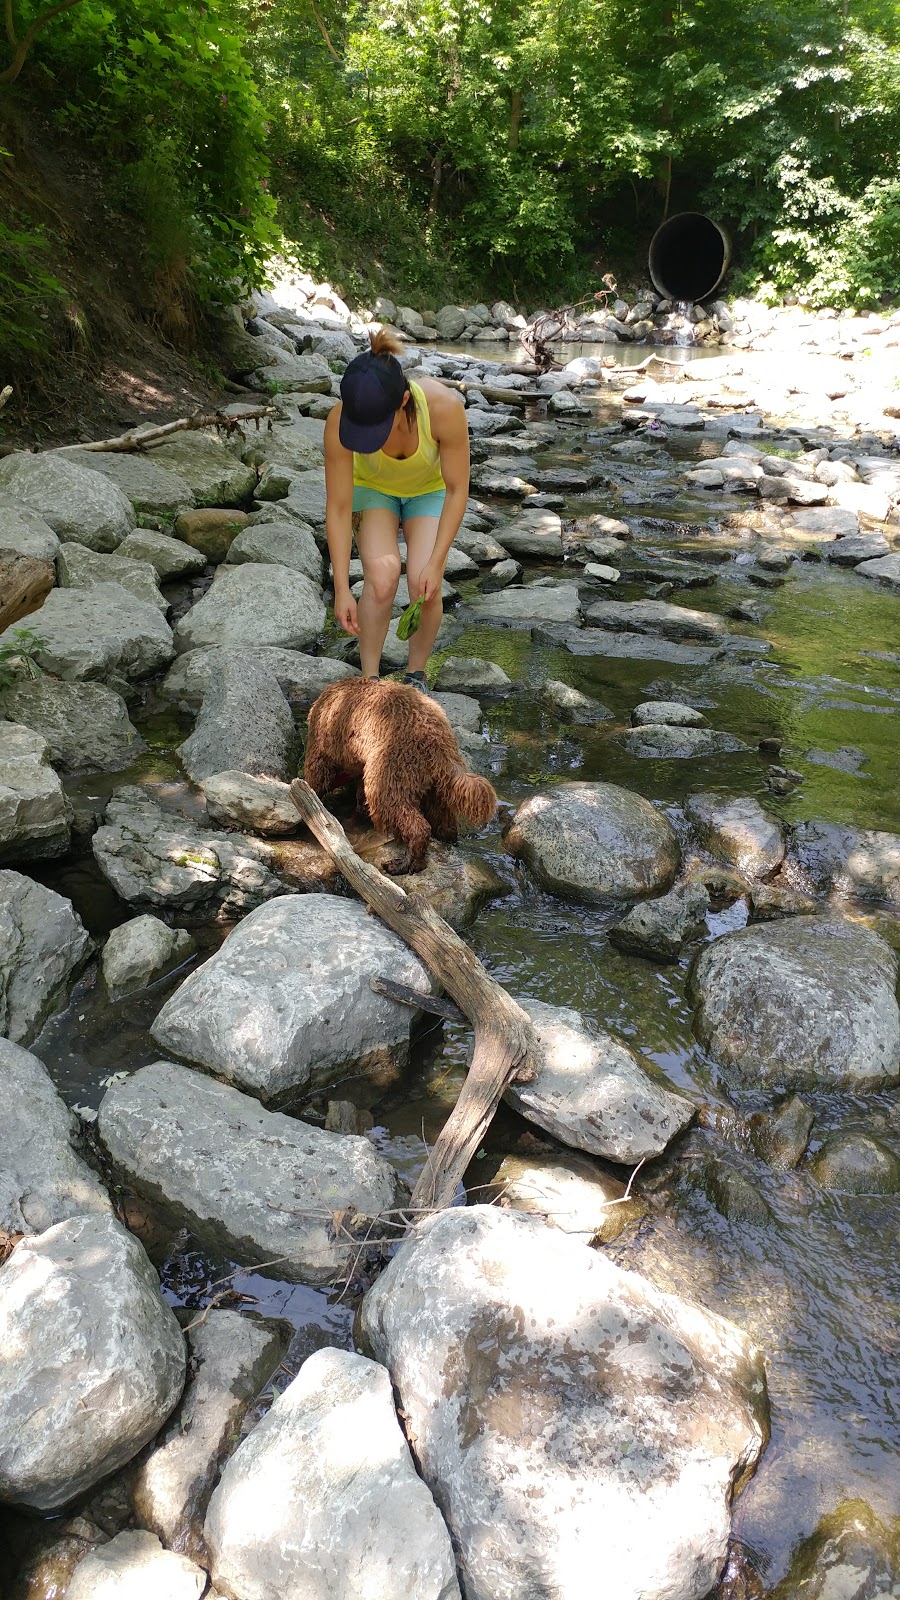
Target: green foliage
(17,656)
(28,292)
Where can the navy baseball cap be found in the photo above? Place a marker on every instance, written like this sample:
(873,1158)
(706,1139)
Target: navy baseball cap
(372,390)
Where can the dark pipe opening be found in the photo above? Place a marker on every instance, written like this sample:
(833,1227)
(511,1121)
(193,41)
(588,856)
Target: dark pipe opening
(688,256)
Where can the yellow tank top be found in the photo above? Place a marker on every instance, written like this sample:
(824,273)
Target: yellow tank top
(418,474)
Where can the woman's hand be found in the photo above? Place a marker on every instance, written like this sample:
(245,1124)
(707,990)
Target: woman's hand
(345,611)
(430,580)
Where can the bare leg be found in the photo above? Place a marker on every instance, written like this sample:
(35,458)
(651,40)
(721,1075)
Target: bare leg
(380,556)
(420,533)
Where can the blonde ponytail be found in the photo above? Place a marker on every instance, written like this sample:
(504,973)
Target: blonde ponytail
(384,343)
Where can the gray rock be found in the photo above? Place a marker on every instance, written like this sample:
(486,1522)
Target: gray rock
(215,475)
(254,604)
(803,1001)
(287,442)
(855,1163)
(847,758)
(323,1500)
(565,404)
(245,724)
(462,711)
(660,928)
(521,608)
(830,521)
(306,501)
(43,1179)
(594,841)
(780,1137)
(100,1360)
(261,805)
(86,725)
(459,565)
(670,712)
(133,1566)
(472,675)
(571,705)
(180,1137)
(592,1092)
(300,677)
(232,1356)
(455,885)
(80,568)
(733,1194)
(43,947)
(285,1004)
(738,831)
(657,616)
(596,572)
(850,1556)
(76,503)
(594,1398)
(480,546)
(25,532)
(536,535)
(569,1191)
(850,551)
(100,633)
(170,558)
(885,570)
(862,863)
(596,641)
(501,575)
(140,951)
(154,857)
(284,544)
(148,485)
(451,321)
(35,813)
(668,743)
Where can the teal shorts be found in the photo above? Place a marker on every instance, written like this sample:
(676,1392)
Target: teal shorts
(406,507)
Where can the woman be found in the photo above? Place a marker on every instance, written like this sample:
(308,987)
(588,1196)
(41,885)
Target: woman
(394,453)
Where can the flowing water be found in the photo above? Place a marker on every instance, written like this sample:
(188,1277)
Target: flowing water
(817,1285)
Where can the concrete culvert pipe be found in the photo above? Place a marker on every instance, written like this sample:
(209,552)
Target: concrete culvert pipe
(689,256)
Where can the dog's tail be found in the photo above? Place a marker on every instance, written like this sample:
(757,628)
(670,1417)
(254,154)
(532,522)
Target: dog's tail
(472,797)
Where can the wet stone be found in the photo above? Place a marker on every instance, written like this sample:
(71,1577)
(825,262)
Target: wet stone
(660,928)
(43,1178)
(738,831)
(570,705)
(43,947)
(521,608)
(729,1190)
(856,1163)
(780,1137)
(669,712)
(863,863)
(472,675)
(571,1192)
(657,616)
(140,951)
(848,1557)
(594,841)
(667,743)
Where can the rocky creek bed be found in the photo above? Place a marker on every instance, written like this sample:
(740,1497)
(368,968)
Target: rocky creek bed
(659,1341)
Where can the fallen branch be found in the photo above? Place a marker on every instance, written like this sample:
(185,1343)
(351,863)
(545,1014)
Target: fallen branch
(505,1043)
(516,397)
(147,437)
(5,394)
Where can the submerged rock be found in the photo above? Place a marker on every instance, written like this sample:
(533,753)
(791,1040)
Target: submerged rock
(850,1556)
(659,928)
(825,857)
(856,1163)
(43,947)
(99,1365)
(618,1419)
(780,1137)
(472,675)
(571,705)
(134,1566)
(254,604)
(322,1499)
(738,831)
(594,841)
(180,1138)
(231,1357)
(75,502)
(803,1001)
(43,1179)
(140,951)
(285,1004)
(245,724)
(35,812)
(591,1091)
(667,743)
(86,725)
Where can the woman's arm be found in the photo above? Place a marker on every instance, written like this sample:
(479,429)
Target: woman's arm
(339,520)
(447,415)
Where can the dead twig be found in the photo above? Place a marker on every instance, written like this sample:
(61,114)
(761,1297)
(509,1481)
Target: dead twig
(145,438)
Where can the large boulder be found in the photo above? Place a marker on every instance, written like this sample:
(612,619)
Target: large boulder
(99,1360)
(179,1137)
(24,532)
(284,544)
(594,841)
(255,604)
(535,534)
(285,1004)
(287,442)
(264,806)
(301,678)
(156,857)
(861,863)
(737,831)
(245,724)
(77,503)
(170,558)
(806,1001)
(134,1566)
(148,485)
(100,633)
(451,322)
(885,570)
(568,1417)
(86,725)
(140,951)
(231,1357)
(35,812)
(43,1179)
(43,947)
(216,475)
(211,532)
(592,1092)
(323,1500)
(80,568)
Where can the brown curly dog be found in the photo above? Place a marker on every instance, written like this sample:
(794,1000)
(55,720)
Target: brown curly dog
(399,743)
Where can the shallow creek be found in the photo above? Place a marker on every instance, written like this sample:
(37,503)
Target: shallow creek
(817,1285)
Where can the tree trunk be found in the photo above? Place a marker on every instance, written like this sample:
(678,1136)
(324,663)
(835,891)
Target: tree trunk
(505,1043)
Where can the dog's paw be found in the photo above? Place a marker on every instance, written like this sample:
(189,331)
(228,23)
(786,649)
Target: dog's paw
(401,866)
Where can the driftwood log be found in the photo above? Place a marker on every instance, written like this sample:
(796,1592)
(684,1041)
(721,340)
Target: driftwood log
(25,583)
(5,394)
(505,1043)
(145,438)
